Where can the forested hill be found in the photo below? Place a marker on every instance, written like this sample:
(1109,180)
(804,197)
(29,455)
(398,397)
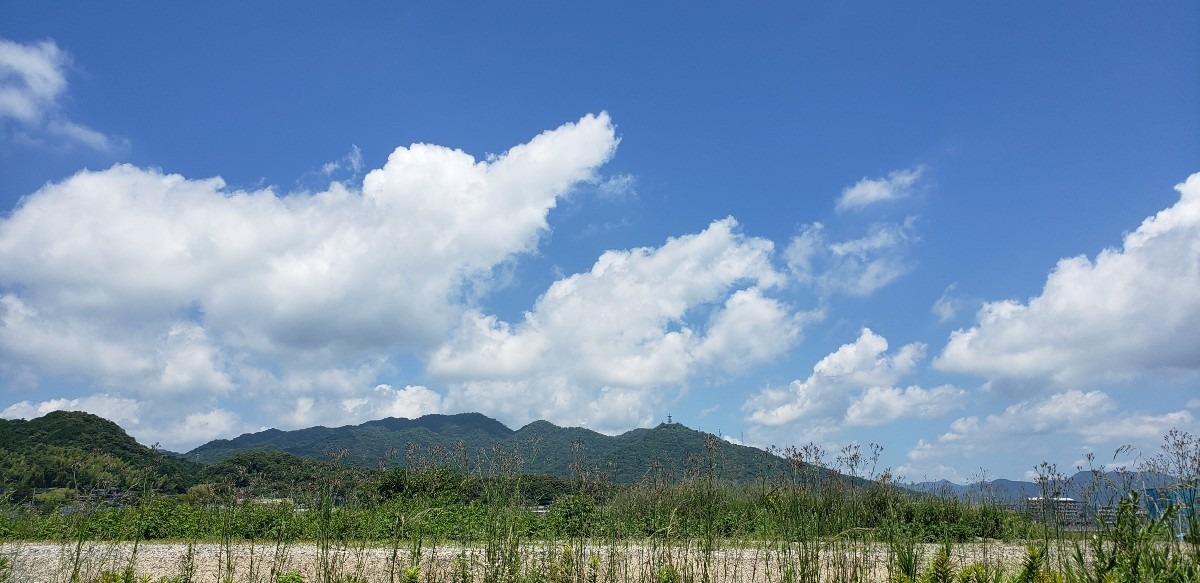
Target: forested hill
(389,441)
(478,441)
(63,448)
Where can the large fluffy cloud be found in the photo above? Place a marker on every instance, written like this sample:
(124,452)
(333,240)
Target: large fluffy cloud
(1123,320)
(156,284)
(605,347)
(1131,311)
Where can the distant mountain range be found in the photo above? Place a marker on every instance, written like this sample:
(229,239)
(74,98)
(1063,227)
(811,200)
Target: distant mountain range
(1100,488)
(476,440)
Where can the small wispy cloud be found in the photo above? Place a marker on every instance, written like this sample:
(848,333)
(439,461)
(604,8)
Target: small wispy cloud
(352,162)
(857,267)
(619,188)
(31,79)
(868,191)
(32,85)
(947,305)
(1094,416)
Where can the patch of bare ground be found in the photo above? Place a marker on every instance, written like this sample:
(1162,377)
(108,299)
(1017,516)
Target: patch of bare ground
(40,562)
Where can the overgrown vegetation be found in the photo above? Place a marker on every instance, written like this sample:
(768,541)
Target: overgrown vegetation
(461,515)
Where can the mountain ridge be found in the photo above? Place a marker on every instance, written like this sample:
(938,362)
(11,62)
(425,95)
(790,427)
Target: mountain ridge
(541,446)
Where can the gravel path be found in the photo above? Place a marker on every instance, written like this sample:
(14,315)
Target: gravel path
(55,563)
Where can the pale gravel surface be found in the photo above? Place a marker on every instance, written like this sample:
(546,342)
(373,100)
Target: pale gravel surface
(39,562)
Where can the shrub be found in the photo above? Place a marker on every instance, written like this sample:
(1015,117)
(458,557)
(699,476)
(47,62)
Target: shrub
(571,515)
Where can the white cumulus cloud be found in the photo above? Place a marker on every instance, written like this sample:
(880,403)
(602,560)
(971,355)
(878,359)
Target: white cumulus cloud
(148,422)
(117,409)
(854,385)
(1131,311)
(411,402)
(882,405)
(605,346)
(162,285)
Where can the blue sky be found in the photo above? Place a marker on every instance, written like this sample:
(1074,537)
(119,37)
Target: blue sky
(967,233)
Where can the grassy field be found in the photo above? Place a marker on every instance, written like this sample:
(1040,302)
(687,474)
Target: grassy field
(440,522)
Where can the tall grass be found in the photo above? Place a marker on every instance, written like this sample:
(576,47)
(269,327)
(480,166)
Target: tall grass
(457,516)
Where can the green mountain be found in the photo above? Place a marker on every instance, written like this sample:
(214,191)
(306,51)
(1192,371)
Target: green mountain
(387,442)
(82,451)
(477,442)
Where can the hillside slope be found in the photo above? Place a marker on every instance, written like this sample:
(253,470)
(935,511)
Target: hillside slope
(80,450)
